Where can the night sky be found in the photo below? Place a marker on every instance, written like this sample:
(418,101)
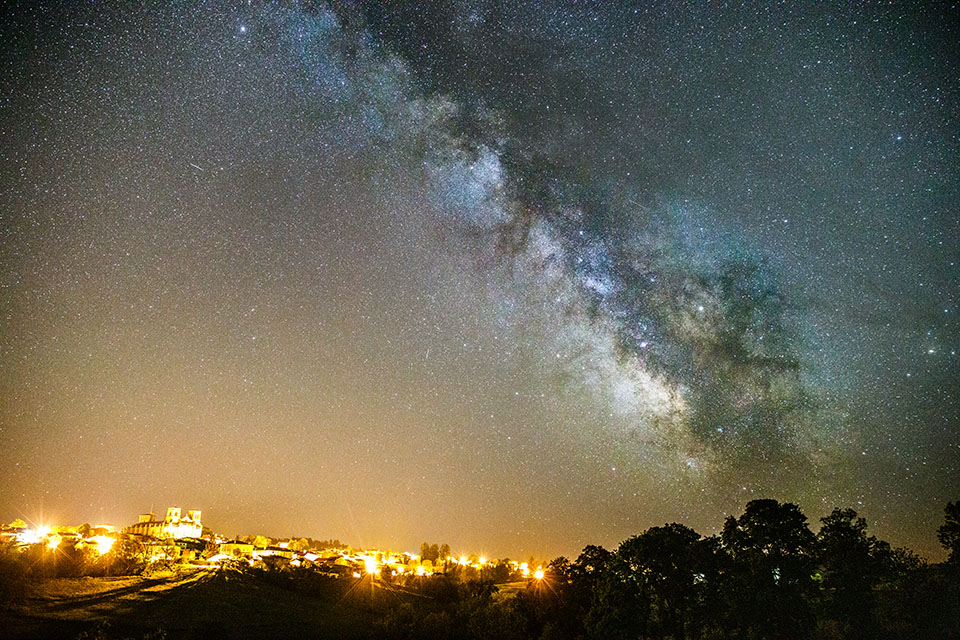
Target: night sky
(515,278)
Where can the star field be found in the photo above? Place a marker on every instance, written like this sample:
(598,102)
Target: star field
(520,278)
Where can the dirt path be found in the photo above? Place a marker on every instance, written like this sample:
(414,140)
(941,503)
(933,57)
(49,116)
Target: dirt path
(88,597)
(201,605)
(61,606)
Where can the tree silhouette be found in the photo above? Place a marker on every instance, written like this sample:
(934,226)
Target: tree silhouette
(851,565)
(665,562)
(772,552)
(429,552)
(949,531)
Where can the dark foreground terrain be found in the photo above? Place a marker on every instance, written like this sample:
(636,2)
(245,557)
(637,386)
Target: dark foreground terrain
(767,575)
(194,604)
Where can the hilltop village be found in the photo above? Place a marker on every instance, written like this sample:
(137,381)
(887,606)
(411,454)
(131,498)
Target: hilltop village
(181,539)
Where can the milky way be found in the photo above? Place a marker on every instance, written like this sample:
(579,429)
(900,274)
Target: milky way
(522,278)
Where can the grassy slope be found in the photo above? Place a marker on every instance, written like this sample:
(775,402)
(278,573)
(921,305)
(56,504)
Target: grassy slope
(199,605)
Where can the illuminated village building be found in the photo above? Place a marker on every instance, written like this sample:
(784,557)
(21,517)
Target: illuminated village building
(172,526)
(236,549)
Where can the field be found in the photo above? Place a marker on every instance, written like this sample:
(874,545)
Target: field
(192,604)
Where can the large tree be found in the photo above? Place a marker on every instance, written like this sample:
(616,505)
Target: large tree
(773,564)
(949,531)
(667,563)
(851,565)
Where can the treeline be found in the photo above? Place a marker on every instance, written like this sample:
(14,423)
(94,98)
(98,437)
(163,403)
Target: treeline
(766,576)
(295,543)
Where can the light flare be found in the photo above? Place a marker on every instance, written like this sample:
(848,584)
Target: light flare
(104,543)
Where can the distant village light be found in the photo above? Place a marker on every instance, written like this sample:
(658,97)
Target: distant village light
(104,543)
(28,536)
